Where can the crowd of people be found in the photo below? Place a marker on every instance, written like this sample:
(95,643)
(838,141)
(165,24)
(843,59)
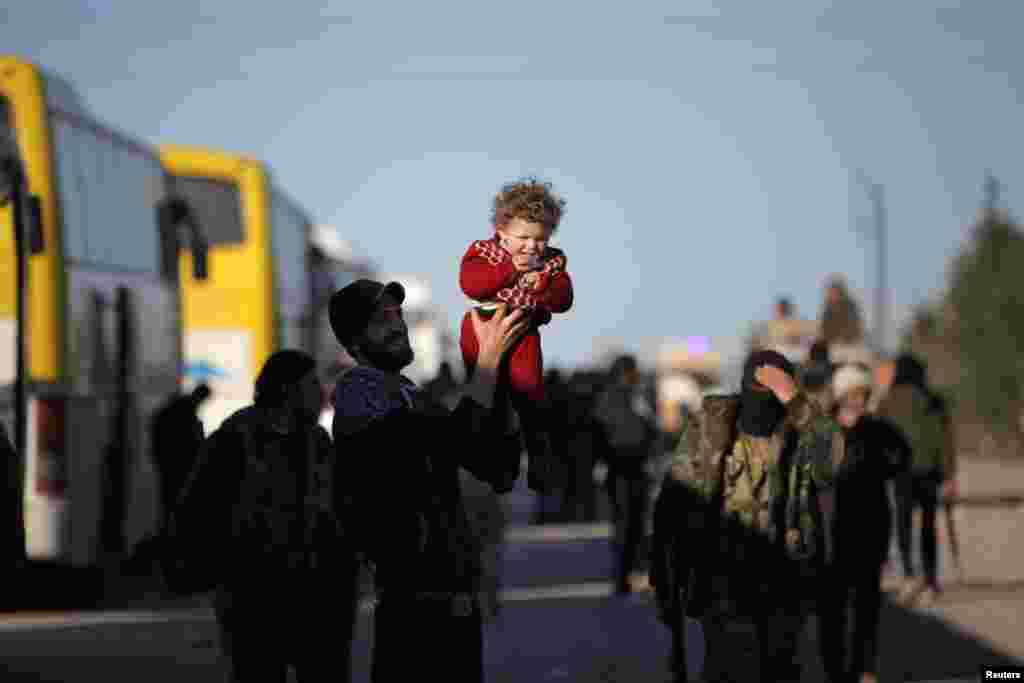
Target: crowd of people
(777,506)
(772,505)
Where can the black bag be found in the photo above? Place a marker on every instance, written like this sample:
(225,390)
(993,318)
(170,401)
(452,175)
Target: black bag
(625,425)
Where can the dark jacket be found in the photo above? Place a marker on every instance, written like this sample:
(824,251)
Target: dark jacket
(627,416)
(398,466)
(258,506)
(875,452)
(922,418)
(177,435)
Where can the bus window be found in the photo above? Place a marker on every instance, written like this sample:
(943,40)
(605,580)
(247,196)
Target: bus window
(289,241)
(107,198)
(217,206)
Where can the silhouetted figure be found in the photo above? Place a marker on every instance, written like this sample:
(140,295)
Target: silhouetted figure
(442,385)
(923,419)
(816,375)
(258,523)
(398,462)
(874,453)
(840,317)
(627,416)
(553,505)
(177,434)
(586,447)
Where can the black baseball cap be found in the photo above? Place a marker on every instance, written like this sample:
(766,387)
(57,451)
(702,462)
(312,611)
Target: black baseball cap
(352,306)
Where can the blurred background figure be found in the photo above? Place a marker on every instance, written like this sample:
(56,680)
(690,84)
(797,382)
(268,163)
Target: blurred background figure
(840,316)
(683,392)
(441,385)
(586,448)
(553,507)
(626,414)
(816,375)
(177,435)
(783,309)
(785,333)
(922,417)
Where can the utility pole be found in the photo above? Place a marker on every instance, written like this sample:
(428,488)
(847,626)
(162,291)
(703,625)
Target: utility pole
(992,188)
(880,236)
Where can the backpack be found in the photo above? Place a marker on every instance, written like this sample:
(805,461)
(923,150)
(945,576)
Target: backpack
(627,417)
(922,422)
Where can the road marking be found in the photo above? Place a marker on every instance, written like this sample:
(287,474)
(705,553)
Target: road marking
(597,589)
(546,533)
(56,620)
(61,620)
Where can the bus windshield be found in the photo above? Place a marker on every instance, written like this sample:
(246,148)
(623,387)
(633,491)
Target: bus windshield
(217,205)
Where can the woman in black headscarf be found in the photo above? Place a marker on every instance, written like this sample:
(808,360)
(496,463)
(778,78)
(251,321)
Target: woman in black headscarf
(761,411)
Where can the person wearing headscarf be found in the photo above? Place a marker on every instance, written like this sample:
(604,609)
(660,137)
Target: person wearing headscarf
(922,417)
(870,453)
(739,535)
(258,523)
(627,417)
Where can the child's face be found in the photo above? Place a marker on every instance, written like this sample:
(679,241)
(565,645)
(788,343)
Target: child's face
(524,239)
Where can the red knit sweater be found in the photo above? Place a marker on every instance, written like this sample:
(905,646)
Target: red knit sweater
(487,274)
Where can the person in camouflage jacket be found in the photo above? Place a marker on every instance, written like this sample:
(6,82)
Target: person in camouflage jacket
(740,524)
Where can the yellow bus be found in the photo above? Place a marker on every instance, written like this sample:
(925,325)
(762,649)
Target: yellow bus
(102,320)
(262,293)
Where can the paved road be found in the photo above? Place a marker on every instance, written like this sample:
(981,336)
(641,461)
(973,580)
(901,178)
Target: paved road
(587,638)
(559,622)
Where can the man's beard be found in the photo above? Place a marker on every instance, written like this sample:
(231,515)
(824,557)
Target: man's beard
(390,359)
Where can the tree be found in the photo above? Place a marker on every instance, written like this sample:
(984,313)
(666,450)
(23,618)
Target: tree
(986,294)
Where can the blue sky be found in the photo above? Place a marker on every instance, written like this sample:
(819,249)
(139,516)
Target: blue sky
(706,151)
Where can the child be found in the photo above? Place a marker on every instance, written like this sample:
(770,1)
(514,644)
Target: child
(518,268)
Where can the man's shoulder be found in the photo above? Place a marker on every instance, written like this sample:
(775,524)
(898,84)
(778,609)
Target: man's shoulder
(364,394)
(240,420)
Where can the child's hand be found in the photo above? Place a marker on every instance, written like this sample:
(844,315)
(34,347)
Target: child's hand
(531,279)
(557,263)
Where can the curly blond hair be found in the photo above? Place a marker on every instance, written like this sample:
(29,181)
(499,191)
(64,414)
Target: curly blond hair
(529,199)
